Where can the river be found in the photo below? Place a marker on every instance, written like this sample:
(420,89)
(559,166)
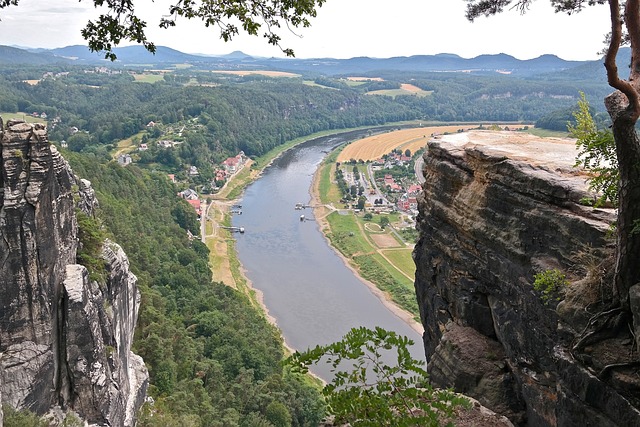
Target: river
(309,291)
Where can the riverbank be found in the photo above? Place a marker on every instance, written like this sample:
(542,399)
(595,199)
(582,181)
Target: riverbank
(321,211)
(224,260)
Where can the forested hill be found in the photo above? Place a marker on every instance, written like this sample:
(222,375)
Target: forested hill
(207,116)
(137,55)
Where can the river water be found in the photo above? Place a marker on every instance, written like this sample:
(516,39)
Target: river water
(314,298)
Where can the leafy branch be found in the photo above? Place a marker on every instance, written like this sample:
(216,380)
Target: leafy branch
(597,154)
(368,391)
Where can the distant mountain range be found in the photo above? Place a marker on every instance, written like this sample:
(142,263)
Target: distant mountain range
(164,56)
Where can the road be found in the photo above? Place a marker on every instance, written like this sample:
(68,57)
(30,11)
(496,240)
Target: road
(203,220)
(374,184)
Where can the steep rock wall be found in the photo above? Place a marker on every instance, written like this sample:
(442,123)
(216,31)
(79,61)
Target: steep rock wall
(496,209)
(64,339)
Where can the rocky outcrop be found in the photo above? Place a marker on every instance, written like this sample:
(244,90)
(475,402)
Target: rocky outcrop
(497,208)
(64,339)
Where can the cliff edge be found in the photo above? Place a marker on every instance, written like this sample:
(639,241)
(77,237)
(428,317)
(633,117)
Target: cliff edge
(498,208)
(65,339)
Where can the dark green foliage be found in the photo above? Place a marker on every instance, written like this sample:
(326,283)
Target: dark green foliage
(24,418)
(551,284)
(183,215)
(278,414)
(367,390)
(92,236)
(556,120)
(214,360)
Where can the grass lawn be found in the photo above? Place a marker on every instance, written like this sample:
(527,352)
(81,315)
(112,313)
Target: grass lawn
(329,193)
(21,116)
(544,133)
(238,183)
(127,145)
(346,236)
(148,78)
(402,260)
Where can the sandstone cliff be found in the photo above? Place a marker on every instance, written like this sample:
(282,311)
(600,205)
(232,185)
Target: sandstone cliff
(496,209)
(64,339)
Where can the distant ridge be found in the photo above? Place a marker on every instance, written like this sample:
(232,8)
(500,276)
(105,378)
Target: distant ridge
(16,56)
(443,62)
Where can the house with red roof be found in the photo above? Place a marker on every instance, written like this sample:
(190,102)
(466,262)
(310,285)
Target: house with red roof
(231,164)
(414,189)
(196,205)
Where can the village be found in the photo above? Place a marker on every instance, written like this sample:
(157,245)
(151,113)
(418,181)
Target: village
(384,185)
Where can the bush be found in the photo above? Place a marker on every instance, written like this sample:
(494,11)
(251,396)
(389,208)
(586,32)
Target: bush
(551,284)
(23,418)
(92,236)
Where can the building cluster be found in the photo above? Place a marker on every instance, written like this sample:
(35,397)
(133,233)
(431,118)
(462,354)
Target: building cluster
(408,202)
(391,160)
(227,168)
(191,196)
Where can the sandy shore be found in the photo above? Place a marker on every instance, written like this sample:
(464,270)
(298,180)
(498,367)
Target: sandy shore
(320,212)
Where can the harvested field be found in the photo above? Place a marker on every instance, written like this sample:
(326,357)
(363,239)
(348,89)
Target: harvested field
(376,146)
(384,241)
(410,88)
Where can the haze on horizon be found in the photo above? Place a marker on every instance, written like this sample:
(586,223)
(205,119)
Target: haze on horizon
(342,29)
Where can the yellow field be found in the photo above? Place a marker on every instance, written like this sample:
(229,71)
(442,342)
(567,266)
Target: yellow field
(376,146)
(410,88)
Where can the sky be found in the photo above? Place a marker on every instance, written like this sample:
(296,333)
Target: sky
(342,29)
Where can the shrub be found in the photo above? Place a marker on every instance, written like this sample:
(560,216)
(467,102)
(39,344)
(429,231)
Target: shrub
(92,236)
(551,284)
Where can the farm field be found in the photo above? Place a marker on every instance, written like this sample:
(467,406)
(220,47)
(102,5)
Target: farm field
(405,89)
(148,78)
(375,146)
(21,116)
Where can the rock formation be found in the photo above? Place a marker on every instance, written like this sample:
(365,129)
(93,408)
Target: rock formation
(496,209)
(64,339)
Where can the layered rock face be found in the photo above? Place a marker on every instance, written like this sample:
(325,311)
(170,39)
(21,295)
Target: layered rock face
(497,208)
(64,340)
